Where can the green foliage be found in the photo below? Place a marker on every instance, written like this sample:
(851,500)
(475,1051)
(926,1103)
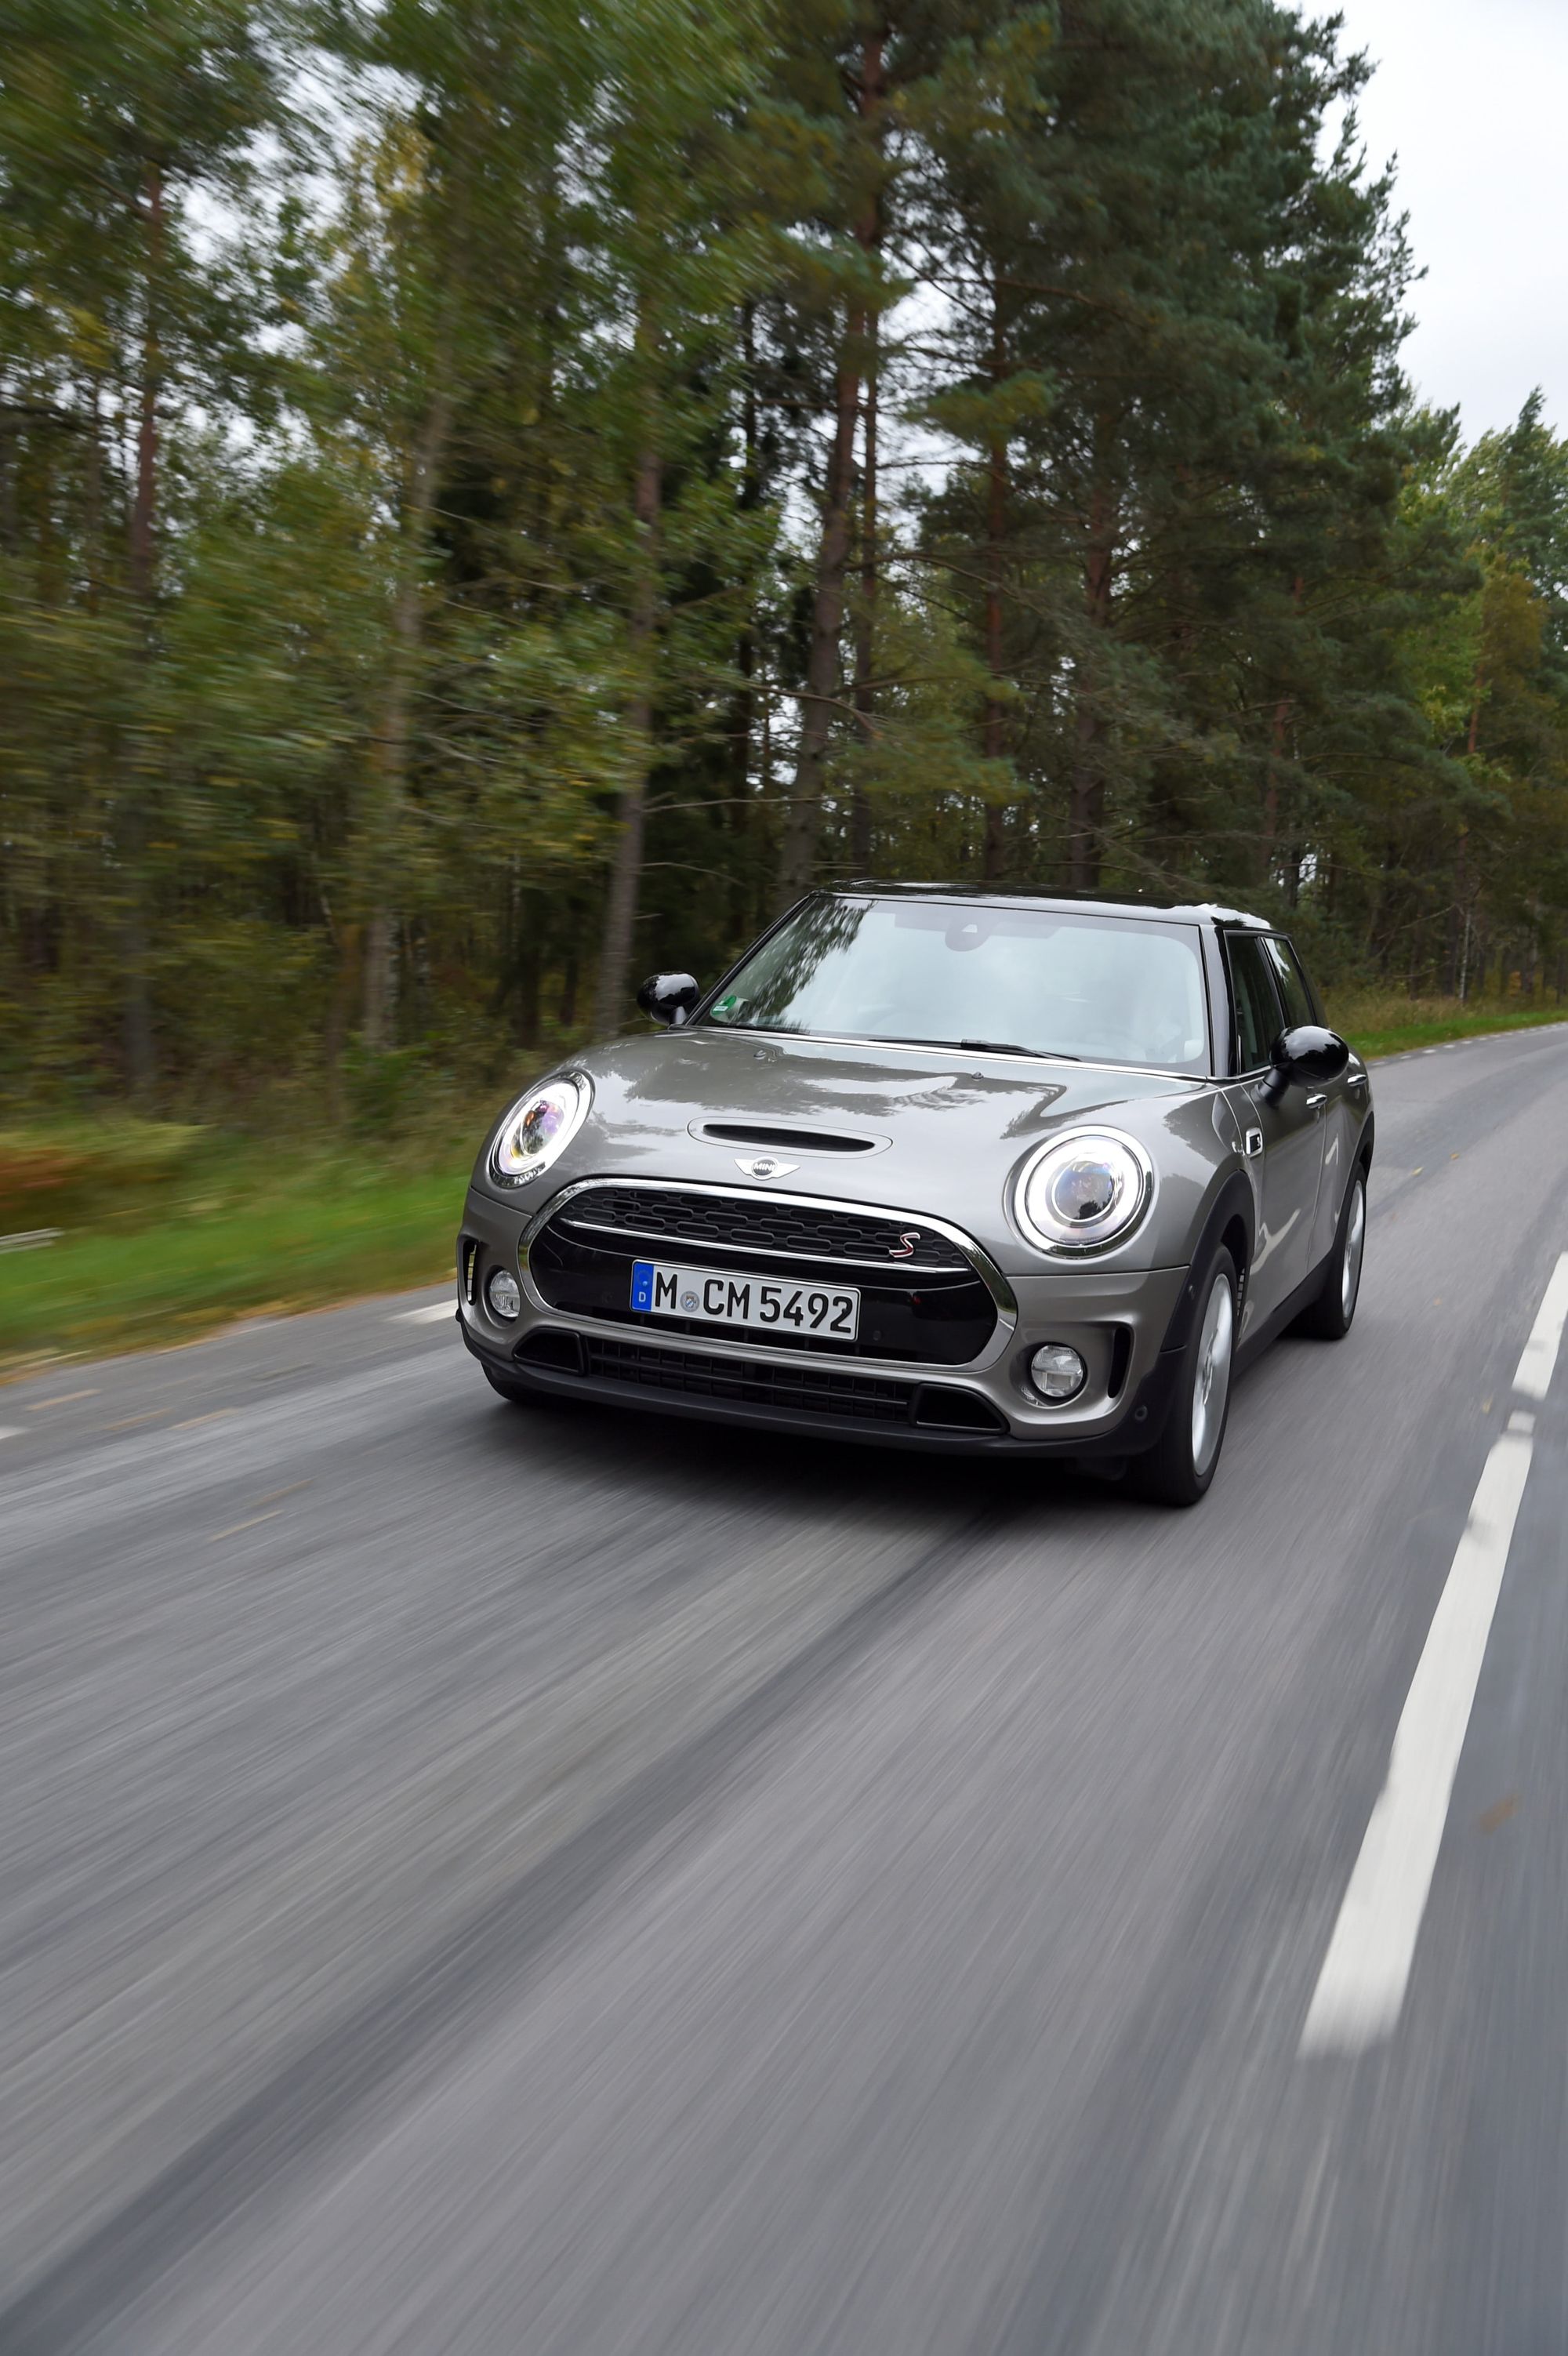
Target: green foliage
(394,502)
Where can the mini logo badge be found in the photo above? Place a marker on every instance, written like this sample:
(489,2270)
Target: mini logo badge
(763,1165)
(905,1246)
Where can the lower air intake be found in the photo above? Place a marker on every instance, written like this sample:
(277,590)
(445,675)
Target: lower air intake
(553,1346)
(829,1391)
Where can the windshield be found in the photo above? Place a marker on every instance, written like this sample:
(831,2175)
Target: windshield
(946,973)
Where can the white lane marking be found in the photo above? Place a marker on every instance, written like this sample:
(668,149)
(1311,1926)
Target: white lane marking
(10,1431)
(1520,1422)
(293,1490)
(1535,1367)
(1361,1986)
(425,1316)
(235,1528)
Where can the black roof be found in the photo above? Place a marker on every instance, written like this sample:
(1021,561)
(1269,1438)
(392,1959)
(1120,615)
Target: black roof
(1202,912)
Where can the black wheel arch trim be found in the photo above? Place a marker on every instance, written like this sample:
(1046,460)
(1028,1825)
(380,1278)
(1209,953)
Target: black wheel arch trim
(1233,1206)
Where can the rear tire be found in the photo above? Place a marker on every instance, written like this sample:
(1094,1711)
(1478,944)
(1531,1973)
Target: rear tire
(1330,1317)
(1180,1466)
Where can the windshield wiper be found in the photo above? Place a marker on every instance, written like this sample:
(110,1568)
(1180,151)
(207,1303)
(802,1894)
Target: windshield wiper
(1005,1047)
(991,1047)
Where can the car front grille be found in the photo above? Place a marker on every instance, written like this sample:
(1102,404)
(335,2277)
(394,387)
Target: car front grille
(914,1310)
(726,1222)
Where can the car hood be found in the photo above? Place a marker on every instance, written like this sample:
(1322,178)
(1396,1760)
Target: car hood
(941,1132)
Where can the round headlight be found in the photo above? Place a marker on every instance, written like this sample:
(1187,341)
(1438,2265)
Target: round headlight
(1084,1190)
(539,1128)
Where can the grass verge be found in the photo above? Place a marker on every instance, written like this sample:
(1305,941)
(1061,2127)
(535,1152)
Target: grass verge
(1386,1025)
(322,1230)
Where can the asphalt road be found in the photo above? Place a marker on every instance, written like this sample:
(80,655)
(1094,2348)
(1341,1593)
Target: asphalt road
(512,1883)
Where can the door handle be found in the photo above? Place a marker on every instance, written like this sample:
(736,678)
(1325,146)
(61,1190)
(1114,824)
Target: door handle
(1316,1103)
(1253,1141)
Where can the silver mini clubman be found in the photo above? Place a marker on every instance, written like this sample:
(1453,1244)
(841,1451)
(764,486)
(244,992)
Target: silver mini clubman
(942,1168)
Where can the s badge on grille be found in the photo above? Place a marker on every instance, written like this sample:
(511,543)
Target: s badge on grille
(905,1246)
(762,1166)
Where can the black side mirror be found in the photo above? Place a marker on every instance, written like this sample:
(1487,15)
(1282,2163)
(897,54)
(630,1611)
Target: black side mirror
(669,997)
(1305,1057)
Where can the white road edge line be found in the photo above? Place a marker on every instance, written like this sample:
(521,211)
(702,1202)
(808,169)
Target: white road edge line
(10,1431)
(1540,1359)
(1362,1986)
(425,1316)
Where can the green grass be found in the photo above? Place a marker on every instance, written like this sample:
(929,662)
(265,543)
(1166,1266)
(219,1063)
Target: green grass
(191,1257)
(1389,1022)
(170,1231)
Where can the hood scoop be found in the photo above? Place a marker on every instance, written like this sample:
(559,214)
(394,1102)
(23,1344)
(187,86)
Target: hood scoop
(777,1137)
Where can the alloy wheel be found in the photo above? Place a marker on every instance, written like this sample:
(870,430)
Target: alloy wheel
(1211,1388)
(1355,1246)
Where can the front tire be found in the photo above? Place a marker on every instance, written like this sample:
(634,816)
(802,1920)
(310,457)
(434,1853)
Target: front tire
(1330,1317)
(1179,1468)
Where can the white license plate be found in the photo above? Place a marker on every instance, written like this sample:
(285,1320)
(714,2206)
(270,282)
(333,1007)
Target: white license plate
(716,1298)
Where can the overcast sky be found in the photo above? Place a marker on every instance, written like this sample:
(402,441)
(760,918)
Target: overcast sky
(1472,97)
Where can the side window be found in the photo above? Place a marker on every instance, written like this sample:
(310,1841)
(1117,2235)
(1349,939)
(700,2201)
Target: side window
(1288,978)
(1256,1009)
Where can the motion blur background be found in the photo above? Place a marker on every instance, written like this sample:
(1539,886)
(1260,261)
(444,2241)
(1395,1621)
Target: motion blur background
(496,497)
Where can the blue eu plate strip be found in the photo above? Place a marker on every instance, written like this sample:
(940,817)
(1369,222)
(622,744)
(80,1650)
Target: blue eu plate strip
(642,1284)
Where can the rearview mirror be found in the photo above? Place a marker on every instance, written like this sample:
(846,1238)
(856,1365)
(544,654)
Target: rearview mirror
(1305,1057)
(669,997)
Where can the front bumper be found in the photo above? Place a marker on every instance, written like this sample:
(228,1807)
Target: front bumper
(1119,1323)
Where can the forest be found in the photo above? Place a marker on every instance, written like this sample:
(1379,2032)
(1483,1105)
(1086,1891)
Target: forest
(496,497)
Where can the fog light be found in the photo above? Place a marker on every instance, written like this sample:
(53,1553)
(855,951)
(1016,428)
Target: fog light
(1058,1372)
(503,1292)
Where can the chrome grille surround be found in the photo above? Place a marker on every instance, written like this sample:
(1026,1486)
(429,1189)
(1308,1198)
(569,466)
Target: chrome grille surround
(962,1252)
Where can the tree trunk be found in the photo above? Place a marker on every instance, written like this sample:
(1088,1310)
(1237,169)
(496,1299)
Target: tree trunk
(865,621)
(1276,761)
(626,874)
(741,814)
(1458,921)
(529,971)
(1087,809)
(389,745)
(802,822)
(994,737)
(141,1056)
(144,508)
(93,516)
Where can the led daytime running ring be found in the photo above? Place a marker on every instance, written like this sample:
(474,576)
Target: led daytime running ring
(559,1108)
(1129,1206)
